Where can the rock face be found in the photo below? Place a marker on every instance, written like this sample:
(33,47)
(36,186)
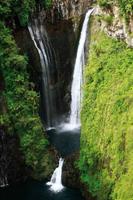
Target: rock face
(66,9)
(12,168)
(62,23)
(71,175)
(63,26)
(114,25)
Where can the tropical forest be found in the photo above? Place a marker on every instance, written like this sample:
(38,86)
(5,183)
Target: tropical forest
(66,99)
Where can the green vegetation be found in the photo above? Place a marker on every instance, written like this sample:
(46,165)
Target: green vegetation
(107,18)
(21,100)
(105,3)
(20,9)
(47,3)
(106,155)
(126,6)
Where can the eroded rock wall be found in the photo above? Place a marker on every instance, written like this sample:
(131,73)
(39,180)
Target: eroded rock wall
(114,25)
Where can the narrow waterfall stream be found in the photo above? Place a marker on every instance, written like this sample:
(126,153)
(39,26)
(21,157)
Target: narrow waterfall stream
(42,44)
(78,75)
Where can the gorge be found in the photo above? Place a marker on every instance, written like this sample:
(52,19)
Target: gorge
(66,99)
(49,93)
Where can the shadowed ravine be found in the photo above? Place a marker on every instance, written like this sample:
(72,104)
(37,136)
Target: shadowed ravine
(65,136)
(66,100)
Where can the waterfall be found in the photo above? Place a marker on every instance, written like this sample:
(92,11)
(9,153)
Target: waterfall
(78,75)
(56,179)
(3,181)
(41,42)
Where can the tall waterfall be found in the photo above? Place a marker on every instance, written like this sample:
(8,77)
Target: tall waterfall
(56,182)
(78,74)
(41,42)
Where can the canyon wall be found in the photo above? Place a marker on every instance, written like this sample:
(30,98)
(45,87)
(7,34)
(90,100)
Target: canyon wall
(62,23)
(106,132)
(114,24)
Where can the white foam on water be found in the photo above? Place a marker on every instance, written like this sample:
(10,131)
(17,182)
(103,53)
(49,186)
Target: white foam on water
(56,180)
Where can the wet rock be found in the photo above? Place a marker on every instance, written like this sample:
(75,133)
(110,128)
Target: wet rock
(71,176)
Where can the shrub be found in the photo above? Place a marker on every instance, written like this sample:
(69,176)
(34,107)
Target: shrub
(22,105)
(106,150)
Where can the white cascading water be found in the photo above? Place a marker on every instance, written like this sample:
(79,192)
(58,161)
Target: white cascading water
(78,75)
(44,50)
(3,182)
(56,179)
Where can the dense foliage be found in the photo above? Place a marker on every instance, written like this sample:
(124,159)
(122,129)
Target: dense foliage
(126,6)
(21,100)
(106,155)
(22,103)
(10,9)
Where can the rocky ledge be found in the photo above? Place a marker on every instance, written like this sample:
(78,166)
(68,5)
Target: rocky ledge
(114,25)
